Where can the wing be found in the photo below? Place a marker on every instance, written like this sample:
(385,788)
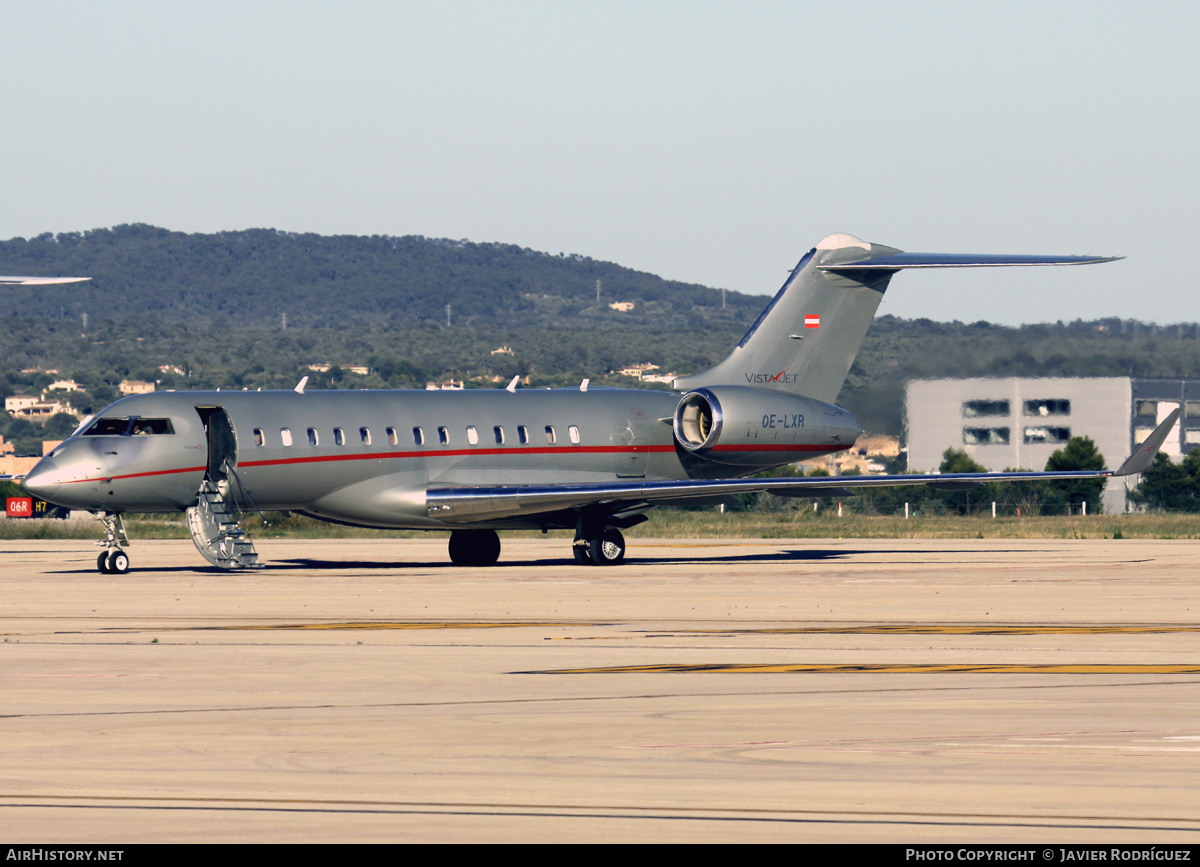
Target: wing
(467,504)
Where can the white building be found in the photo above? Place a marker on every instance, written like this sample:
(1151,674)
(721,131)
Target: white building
(1017,423)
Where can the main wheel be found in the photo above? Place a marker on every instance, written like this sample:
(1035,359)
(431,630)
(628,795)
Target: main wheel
(608,550)
(582,557)
(102,563)
(474,547)
(118,562)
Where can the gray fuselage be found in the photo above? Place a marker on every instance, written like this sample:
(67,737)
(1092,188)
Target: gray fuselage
(368,457)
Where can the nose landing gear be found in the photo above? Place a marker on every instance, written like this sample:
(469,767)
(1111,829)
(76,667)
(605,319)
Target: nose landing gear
(113,560)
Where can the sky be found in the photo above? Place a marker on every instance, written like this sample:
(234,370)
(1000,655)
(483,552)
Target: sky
(709,142)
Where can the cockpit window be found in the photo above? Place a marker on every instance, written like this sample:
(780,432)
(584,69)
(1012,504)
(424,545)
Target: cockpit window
(144,426)
(108,427)
(123,427)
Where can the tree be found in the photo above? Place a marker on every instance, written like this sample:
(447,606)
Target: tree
(1079,454)
(1170,486)
(958,461)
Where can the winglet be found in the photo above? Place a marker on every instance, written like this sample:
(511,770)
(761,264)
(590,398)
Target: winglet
(300,385)
(1143,455)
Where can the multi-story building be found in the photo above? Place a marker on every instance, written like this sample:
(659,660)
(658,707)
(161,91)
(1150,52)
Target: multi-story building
(1016,423)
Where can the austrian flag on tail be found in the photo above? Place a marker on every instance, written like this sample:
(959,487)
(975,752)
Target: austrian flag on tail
(812,320)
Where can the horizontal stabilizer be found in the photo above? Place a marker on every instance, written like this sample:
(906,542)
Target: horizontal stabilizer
(898,261)
(39,281)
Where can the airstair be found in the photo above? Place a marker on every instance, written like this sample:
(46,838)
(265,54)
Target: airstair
(216,530)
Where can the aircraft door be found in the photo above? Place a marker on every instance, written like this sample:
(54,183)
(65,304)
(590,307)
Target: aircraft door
(222,442)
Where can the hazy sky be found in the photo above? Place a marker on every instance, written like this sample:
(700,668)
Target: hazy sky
(710,142)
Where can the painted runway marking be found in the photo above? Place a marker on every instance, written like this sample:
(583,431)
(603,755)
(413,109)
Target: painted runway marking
(450,624)
(788,668)
(862,629)
(958,629)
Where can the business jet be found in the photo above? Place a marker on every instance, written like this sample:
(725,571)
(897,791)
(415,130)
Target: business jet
(592,460)
(39,281)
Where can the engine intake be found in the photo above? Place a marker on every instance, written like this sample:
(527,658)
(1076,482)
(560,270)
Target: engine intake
(755,427)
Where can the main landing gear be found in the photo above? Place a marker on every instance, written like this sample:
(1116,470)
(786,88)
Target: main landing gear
(474,547)
(113,560)
(607,549)
(479,548)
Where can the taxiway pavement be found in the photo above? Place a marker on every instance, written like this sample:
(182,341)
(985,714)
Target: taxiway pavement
(742,690)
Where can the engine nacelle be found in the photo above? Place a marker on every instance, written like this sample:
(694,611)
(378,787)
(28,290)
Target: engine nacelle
(734,424)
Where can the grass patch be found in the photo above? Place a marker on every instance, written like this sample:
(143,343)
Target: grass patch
(666,523)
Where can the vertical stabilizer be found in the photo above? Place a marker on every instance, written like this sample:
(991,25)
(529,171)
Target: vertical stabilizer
(806,339)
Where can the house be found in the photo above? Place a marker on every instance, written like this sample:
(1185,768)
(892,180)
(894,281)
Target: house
(134,386)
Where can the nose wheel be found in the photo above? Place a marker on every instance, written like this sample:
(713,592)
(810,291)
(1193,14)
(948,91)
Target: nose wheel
(114,562)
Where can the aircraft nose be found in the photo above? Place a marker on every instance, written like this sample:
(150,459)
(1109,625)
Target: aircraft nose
(51,478)
(43,480)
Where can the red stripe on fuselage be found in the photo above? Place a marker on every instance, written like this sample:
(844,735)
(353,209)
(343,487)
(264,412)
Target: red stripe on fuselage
(516,450)
(138,475)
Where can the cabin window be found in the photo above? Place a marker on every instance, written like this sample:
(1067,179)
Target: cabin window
(285,434)
(393,439)
(522,434)
(498,433)
(443,436)
(472,435)
(418,436)
(550,437)
(573,431)
(339,437)
(364,435)
(313,438)
(259,439)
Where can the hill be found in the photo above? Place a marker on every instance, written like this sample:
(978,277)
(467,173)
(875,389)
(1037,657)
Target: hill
(252,277)
(212,305)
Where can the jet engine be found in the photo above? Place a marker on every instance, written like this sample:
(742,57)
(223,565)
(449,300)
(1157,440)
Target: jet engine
(754,427)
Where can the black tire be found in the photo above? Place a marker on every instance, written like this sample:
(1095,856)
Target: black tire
(118,563)
(582,557)
(474,547)
(102,564)
(608,550)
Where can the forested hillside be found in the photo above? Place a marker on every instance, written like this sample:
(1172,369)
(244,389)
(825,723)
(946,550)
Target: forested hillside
(251,278)
(212,306)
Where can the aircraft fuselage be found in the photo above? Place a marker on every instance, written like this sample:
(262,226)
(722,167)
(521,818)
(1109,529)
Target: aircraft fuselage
(368,457)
